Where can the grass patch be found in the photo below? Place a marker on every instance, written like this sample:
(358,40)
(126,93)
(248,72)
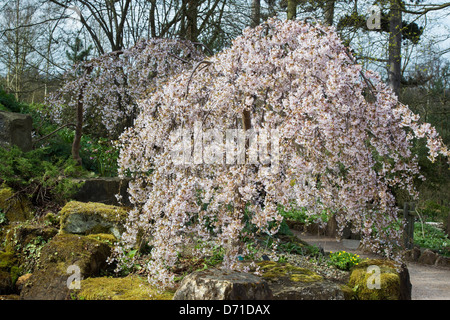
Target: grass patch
(432,238)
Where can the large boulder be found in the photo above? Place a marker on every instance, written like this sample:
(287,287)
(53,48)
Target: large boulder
(379,279)
(92,218)
(66,255)
(103,190)
(215,284)
(15,129)
(428,257)
(289,282)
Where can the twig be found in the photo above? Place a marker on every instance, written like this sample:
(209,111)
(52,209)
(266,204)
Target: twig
(177,57)
(204,46)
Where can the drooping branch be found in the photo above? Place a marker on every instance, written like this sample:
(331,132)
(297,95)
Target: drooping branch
(193,72)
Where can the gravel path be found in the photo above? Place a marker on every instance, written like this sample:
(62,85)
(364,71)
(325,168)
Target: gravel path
(428,282)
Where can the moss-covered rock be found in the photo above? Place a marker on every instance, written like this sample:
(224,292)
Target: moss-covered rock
(49,281)
(127,288)
(103,237)
(9,272)
(92,218)
(67,249)
(15,208)
(26,241)
(7,260)
(215,284)
(289,282)
(284,271)
(378,279)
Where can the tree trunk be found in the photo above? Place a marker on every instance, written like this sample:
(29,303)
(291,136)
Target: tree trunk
(292,9)
(191,17)
(395,43)
(76,145)
(152,18)
(256,13)
(329,12)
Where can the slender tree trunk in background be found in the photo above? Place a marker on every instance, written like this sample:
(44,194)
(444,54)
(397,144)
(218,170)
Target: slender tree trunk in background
(191,25)
(76,145)
(152,19)
(292,9)
(395,45)
(256,13)
(329,12)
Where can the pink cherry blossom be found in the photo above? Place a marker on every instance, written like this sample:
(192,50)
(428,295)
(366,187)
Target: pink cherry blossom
(344,144)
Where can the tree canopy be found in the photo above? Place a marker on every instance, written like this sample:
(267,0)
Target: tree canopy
(330,138)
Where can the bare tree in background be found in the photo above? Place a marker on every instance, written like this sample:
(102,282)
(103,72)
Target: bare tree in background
(17,43)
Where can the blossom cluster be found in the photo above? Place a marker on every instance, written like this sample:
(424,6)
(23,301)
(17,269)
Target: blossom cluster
(116,81)
(338,150)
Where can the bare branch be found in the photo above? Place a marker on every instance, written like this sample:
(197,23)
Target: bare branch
(193,71)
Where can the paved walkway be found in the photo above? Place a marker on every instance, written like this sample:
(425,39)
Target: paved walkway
(428,282)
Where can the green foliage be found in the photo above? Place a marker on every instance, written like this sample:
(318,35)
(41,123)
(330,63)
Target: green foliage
(31,250)
(292,247)
(432,211)
(284,229)
(428,236)
(216,257)
(129,263)
(33,175)
(344,260)
(294,214)
(99,156)
(9,103)
(77,54)
(301,215)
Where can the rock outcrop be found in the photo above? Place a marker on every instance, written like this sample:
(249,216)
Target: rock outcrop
(15,208)
(64,256)
(92,218)
(377,279)
(103,190)
(289,282)
(15,129)
(215,284)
